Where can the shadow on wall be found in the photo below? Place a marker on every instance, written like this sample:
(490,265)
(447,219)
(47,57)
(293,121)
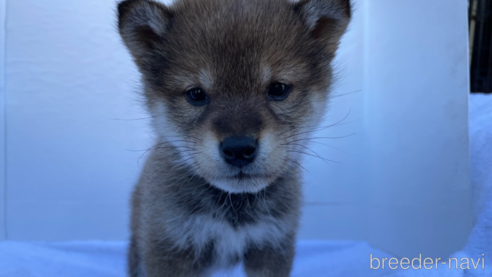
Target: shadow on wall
(480,28)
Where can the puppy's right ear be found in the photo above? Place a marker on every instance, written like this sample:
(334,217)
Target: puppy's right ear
(143,25)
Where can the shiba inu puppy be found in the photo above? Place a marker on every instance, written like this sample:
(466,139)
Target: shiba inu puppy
(233,88)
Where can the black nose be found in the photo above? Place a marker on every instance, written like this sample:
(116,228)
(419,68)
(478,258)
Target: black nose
(238,150)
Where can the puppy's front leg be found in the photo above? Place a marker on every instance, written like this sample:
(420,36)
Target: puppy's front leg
(162,262)
(269,262)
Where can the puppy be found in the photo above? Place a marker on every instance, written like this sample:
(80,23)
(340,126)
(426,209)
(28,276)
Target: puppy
(233,88)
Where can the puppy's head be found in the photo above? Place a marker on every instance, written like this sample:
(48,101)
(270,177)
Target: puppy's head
(233,85)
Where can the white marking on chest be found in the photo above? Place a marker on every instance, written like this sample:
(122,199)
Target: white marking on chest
(229,242)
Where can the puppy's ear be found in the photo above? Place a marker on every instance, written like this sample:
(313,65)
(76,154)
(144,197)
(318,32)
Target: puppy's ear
(326,20)
(143,25)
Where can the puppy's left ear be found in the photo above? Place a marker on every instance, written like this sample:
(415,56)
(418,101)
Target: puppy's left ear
(326,20)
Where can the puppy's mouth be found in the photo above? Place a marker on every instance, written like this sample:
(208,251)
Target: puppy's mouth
(241,175)
(242,182)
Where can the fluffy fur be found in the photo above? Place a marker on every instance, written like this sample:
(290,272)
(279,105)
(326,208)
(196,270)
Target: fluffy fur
(192,212)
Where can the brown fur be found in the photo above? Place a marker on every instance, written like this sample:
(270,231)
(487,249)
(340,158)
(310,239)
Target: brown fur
(233,49)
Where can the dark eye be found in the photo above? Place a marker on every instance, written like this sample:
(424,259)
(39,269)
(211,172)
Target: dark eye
(278,91)
(197,97)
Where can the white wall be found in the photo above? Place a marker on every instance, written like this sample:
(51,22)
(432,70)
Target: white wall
(417,124)
(70,92)
(403,179)
(2,122)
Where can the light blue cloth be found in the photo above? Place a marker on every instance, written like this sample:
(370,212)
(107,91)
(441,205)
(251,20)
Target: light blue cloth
(107,259)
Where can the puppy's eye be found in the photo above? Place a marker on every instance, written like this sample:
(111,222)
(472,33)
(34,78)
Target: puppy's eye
(197,97)
(278,91)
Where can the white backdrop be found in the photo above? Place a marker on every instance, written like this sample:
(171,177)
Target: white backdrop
(74,129)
